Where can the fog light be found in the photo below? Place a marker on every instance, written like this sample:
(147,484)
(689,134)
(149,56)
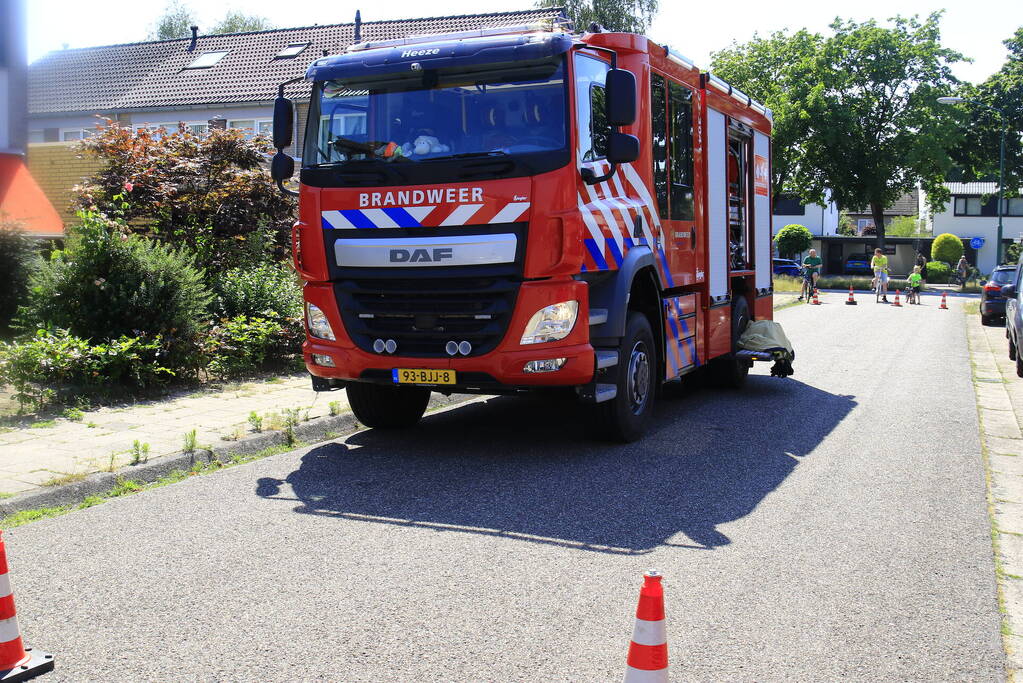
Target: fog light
(325,361)
(546,365)
(390,346)
(464,348)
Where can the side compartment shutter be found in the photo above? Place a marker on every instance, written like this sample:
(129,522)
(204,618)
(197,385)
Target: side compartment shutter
(717,210)
(762,213)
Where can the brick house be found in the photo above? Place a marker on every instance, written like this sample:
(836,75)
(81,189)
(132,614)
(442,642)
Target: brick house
(226,79)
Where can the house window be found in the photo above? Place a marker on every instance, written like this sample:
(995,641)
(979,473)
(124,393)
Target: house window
(972,206)
(68,134)
(265,127)
(1014,206)
(198,128)
(207,60)
(788,205)
(292,50)
(36,136)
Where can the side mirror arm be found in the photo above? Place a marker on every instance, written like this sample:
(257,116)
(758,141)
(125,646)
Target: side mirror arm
(284,190)
(591,178)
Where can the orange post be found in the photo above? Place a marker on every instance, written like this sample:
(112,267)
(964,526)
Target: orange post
(17,662)
(648,650)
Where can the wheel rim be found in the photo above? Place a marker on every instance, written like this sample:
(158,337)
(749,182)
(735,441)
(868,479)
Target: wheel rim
(638,378)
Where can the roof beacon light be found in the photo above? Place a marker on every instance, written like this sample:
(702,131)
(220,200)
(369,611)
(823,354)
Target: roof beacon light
(535,27)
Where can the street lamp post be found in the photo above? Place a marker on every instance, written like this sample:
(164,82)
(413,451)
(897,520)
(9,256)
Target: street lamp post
(1001,164)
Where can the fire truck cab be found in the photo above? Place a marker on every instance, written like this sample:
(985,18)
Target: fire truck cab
(524,207)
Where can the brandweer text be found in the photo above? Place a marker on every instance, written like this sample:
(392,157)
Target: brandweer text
(413,197)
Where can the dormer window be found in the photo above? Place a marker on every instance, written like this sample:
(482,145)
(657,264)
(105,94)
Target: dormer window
(292,50)
(207,60)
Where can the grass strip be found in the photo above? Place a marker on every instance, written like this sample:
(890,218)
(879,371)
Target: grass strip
(127,487)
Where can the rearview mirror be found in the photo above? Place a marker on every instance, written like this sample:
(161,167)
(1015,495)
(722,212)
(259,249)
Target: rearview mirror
(622,148)
(620,104)
(282,167)
(284,117)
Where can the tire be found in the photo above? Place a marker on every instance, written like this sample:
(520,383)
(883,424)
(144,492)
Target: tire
(1012,350)
(383,407)
(731,373)
(1019,365)
(625,417)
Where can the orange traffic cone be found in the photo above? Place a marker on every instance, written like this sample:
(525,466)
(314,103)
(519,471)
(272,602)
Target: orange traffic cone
(648,651)
(17,662)
(896,302)
(816,301)
(944,305)
(850,301)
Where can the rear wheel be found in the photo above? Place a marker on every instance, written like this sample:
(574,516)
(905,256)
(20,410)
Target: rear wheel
(384,407)
(625,417)
(1019,365)
(731,372)
(1012,349)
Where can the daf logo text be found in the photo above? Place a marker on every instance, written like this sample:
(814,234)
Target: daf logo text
(421,255)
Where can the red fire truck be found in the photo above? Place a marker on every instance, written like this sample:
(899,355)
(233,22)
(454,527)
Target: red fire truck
(517,208)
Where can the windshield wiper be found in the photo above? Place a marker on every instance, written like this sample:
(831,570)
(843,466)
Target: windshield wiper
(470,155)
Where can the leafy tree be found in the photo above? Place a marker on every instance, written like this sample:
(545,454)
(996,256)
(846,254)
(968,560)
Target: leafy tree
(208,192)
(977,156)
(947,247)
(767,70)
(19,258)
(175,22)
(631,16)
(873,126)
(793,239)
(904,226)
(846,225)
(236,22)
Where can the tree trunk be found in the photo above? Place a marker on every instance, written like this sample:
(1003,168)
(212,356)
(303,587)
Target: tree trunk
(877,211)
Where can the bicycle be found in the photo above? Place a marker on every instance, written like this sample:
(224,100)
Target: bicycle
(807,287)
(880,292)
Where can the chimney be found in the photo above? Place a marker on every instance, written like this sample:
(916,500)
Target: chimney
(195,36)
(358,27)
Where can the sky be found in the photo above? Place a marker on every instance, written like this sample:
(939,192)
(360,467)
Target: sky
(695,29)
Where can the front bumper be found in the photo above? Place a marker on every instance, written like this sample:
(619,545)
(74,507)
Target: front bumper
(497,371)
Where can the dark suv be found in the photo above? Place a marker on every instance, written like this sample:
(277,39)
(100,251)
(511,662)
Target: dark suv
(992,303)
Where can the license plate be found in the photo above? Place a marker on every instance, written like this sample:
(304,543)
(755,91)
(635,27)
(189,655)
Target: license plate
(422,376)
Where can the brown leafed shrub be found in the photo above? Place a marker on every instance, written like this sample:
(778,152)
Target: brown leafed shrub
(209,192)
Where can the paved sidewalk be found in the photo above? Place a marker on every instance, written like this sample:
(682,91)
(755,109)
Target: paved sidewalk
(1000,407)
(57,450)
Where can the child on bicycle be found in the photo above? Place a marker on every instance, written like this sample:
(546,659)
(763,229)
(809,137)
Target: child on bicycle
(879,264)
(811,271)
(915,285)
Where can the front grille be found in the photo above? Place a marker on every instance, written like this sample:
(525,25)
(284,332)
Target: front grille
(422,315)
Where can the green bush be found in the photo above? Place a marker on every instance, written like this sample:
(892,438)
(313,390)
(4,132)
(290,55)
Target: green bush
(19,258)
(242,345)
(938,272)
(107,285)
(792,239)
(267,291)
(53,365)
(946,247)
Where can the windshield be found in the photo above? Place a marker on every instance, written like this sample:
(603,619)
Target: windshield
(419,116)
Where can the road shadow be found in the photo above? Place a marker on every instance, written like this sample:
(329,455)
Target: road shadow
(531,469)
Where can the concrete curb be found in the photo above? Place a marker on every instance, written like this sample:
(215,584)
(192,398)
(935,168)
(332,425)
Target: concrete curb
(98,483)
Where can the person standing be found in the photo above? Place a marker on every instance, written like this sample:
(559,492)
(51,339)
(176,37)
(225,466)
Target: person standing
(921,263)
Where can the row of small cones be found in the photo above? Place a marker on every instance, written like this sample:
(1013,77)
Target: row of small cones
(851,301)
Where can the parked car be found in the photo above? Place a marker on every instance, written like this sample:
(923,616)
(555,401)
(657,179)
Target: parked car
(1013,322)
(992,303)
(784,266)
(858,264)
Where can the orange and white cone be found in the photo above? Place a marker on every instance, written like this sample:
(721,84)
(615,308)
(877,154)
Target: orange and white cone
(896,302)
(17,662)
(816,301)
(944,305)
(648,651)
(851,301)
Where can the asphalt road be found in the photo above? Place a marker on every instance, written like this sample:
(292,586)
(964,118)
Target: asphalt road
(828,526)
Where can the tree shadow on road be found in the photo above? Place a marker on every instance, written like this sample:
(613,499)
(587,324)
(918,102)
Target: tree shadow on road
(530,468)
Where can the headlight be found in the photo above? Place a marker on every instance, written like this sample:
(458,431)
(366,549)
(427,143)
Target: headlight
(317,322)
(551,323)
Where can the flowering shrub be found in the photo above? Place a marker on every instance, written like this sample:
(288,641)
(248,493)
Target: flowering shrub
(241,345)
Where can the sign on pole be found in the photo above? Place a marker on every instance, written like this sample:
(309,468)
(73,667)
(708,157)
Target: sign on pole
(977,242)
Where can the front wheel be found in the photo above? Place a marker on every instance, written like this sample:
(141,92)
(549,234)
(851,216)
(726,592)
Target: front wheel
(387,407)
(625,417)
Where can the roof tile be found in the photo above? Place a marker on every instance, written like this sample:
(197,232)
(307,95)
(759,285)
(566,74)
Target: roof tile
(153,74)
